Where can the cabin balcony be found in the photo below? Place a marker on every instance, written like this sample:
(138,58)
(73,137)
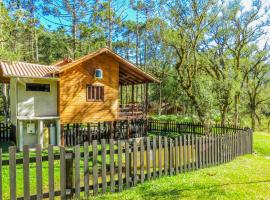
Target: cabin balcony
(132,111)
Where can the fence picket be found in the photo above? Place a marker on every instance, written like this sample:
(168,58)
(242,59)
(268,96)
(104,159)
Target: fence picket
(180,154)
(192,147)
(188,153)
(176,148)
(165,155)
(135,159)
(112,168)
(148,158)
(127,164)
(51,172)
(26,178)
(12,172)
(77,171)
(200,153)
(86,168)
(142,160)
(63,172)
(39,172)
(95,167)
(154,156)
(103,163)
(159,156)
(184,153)
(171,156)
(120,178)
(203,152)
(196,152)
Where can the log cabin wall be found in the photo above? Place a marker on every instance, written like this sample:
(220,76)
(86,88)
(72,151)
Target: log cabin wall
(73,106)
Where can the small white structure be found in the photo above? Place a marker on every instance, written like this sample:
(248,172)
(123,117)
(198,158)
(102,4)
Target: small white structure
(33,103)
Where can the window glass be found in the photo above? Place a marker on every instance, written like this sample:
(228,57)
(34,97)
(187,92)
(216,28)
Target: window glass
(37,87)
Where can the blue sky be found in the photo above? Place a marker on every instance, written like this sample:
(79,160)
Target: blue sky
(51,22)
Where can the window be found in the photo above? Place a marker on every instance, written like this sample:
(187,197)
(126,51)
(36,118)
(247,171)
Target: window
(95,93)
(99,74)
(37,87)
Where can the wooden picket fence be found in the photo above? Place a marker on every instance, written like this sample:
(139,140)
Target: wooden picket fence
(114,165)
(169,126)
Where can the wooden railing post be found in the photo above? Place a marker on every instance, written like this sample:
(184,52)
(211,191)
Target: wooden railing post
(62,135)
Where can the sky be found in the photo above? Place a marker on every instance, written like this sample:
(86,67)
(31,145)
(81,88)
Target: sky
(248,5)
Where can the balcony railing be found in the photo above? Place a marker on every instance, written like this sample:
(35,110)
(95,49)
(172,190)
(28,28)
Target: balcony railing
(131,111)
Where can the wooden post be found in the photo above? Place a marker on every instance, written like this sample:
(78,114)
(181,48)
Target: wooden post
(40,132)
(112,169)
(132,93)
(51,172)
(39,172)
(58,130)
(26,178)
(77,171)
(12,172)
(146,99)
(69,174)
(95,167)
(62,135)
(20,135)
(86,169)
(121,94)
(126,94)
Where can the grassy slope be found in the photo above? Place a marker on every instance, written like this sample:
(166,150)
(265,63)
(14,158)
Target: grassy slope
(246,177)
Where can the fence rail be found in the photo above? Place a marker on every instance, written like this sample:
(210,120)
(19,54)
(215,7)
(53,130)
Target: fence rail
(7,132)
(103,166)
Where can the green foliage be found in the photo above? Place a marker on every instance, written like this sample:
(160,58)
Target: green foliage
(205,53)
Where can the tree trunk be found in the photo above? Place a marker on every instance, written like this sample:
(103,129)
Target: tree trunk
(74,29)
(236,109)
(110,26)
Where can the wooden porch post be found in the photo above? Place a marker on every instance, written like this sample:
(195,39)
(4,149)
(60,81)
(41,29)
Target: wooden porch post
(132,93)
(121,94)
(62,135)
(146,99)
(126,94)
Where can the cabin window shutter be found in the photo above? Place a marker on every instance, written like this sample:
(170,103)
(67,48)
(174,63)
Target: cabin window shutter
(95,93)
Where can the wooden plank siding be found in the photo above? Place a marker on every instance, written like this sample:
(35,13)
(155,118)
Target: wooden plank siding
(73,106)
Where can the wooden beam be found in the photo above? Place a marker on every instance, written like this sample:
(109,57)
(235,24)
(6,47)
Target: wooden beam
(134,74)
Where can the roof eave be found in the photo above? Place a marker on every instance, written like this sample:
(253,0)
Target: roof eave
(43,78)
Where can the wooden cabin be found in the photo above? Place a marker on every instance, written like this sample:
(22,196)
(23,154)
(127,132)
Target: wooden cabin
(101,86)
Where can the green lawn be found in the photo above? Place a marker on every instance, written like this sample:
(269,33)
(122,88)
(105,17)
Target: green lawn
(247,177)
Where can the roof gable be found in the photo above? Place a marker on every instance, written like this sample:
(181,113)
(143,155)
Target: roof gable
(125,65)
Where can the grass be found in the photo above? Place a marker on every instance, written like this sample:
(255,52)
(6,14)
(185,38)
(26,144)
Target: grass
(247,177)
